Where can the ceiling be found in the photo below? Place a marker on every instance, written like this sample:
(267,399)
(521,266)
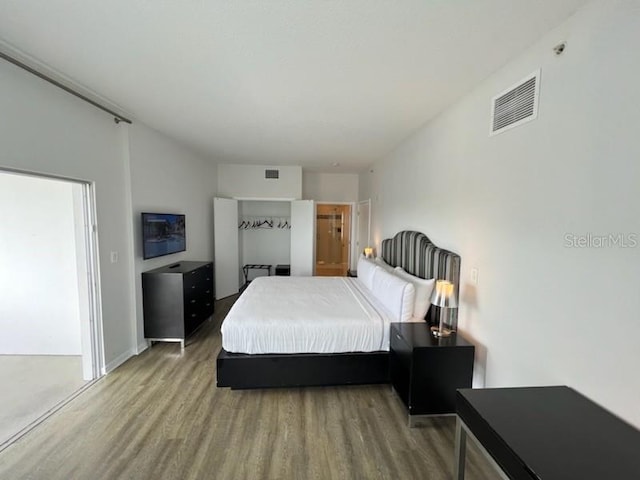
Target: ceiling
(304,82)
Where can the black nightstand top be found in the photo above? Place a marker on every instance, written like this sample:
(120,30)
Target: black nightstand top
(419,335)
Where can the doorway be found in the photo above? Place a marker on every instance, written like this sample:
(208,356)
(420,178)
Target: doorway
(50,342)
(333,239)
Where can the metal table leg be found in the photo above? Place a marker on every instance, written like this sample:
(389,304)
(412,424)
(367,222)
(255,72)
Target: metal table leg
(460,450)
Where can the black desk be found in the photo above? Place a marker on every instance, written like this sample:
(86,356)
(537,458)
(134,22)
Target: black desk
(547,433)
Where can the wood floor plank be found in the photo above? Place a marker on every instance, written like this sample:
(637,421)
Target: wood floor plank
(160,416)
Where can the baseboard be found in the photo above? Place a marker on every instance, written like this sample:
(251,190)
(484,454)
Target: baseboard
(119,360)
(142,347)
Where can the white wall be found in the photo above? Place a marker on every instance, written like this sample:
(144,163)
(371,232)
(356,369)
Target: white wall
(542,313)
(43,129)
(265,246)
(167,177)
(330,187)
(248,181)
(39,304)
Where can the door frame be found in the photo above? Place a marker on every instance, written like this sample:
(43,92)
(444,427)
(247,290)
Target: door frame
(353,222)
(90,227)
(93,280)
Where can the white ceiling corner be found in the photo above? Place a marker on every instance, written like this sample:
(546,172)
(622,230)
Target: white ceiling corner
(281,81)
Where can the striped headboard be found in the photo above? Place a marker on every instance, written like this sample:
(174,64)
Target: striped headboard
(414,252)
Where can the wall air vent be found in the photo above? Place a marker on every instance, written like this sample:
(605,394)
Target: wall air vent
(516,105)
(272,174)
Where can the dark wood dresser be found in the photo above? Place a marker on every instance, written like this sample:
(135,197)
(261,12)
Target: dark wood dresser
(177,298)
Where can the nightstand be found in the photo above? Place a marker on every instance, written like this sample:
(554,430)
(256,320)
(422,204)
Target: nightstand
(426,371)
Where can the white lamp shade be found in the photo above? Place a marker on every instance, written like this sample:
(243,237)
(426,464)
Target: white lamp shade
(444,295)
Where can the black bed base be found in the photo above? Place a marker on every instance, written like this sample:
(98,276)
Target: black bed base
(237,370)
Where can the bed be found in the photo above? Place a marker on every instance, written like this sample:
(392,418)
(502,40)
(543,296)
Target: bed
(320,331)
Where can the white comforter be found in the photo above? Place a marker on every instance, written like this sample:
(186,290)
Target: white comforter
(306,315)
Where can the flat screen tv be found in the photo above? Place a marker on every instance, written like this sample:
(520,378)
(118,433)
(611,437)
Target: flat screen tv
(162,234)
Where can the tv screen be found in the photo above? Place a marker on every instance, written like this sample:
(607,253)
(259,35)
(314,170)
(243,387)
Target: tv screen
(162,234)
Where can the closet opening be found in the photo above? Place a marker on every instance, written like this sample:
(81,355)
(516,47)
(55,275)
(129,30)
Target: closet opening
(261,237)
(264,238)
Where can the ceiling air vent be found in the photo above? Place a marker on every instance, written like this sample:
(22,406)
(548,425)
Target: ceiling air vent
(272,174)
(516,105)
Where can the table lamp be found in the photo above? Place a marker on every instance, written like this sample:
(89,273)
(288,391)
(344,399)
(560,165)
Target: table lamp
(443,296)
(368,252)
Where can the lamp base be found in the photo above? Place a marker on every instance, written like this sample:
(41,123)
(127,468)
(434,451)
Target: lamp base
(440,332)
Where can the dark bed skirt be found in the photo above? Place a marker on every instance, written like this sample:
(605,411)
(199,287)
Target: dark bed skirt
(237,370)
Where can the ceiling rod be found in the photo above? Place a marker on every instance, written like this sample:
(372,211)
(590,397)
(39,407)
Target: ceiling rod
(117,117)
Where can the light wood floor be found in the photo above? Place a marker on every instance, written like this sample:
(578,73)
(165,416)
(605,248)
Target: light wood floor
(160,416)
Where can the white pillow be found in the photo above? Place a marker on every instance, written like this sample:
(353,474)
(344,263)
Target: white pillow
(394,293)
(366,268)
(423,290)
(381,263)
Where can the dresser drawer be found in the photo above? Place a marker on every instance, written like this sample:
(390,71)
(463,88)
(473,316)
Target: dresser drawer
(193,280)
(198,285)
(201,304)
(193,305)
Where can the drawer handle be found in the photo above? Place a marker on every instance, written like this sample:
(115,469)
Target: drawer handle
(193,286)
(208,291)
(208,279)
(208,304)
(193,301)
(398,336)
(193,314)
